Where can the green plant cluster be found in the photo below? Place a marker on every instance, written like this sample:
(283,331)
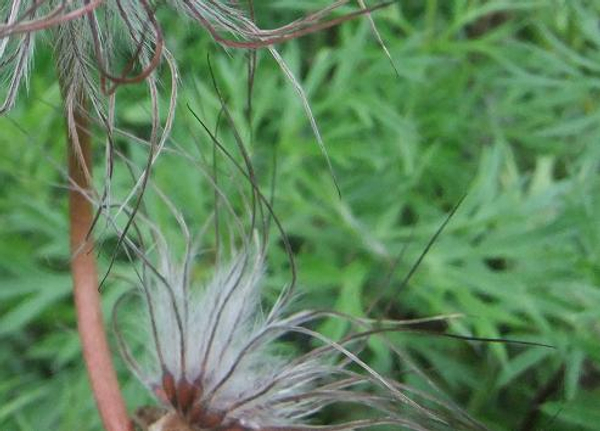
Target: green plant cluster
(496,101)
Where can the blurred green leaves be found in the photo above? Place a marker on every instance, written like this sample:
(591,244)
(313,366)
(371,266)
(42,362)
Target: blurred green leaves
(495,99)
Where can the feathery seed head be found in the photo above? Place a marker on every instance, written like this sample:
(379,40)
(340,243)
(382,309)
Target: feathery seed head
(100,45)
(116,42)
(214,364)
(211,354)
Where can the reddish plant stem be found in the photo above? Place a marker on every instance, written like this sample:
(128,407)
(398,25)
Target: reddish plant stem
(96,351)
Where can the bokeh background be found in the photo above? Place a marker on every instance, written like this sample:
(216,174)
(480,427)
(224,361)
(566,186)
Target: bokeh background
(497,101)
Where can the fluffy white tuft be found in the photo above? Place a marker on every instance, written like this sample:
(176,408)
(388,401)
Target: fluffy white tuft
(213,359)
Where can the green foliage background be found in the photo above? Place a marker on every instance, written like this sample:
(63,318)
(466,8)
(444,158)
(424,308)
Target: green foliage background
(497,100)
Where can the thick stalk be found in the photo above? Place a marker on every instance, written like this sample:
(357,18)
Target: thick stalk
(96,351)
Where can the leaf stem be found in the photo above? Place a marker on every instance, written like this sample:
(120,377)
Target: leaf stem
(90,322)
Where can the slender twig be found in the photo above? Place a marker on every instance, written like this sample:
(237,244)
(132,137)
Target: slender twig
(96,351)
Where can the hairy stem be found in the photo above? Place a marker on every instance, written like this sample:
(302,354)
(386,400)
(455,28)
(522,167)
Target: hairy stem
(96,351)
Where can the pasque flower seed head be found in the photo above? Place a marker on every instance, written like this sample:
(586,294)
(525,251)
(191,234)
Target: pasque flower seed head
(212,353)
(100,45)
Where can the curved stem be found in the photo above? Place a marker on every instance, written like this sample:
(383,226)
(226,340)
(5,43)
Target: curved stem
(90,323)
